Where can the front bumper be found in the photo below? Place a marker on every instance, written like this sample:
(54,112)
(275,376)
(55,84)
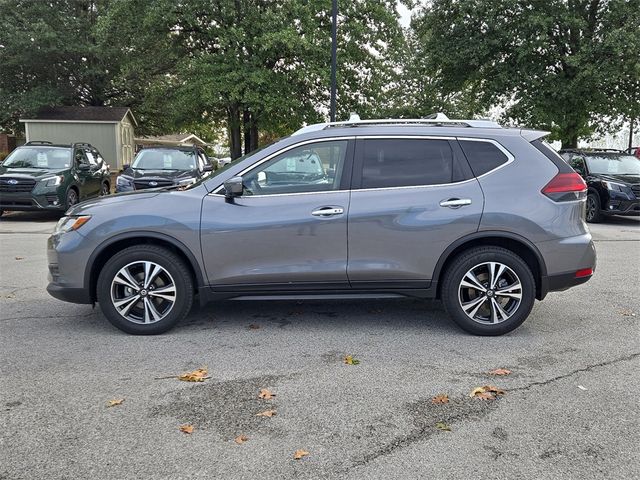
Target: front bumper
(629,208)
(67,259)
(29,201)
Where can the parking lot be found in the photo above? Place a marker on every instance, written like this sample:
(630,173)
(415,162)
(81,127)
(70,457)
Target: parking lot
(570,407)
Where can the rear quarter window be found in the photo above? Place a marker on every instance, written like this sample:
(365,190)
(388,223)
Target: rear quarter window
(482,156)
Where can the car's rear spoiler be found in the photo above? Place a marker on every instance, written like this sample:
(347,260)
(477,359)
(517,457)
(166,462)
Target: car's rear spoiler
(531,135)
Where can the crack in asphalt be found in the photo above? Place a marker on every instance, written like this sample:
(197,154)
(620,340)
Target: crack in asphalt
(426,414)
(579,370)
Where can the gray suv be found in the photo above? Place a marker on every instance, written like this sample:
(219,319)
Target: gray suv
(485,218)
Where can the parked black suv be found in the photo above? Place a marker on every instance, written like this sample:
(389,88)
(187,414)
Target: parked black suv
(613,178)
(46,176)
(164,166)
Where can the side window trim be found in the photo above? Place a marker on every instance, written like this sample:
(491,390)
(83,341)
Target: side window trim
(346,169)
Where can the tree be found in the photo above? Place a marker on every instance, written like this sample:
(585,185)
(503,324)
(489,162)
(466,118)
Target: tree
(546,61)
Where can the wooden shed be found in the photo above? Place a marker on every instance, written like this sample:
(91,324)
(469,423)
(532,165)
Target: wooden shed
(109,129)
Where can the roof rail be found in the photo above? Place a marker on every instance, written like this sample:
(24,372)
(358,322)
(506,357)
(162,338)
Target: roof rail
(81,144)
(38,142)
(439,119)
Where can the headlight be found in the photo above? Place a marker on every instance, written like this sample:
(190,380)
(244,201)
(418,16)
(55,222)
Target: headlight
(66,224)
(124,181)
(53,181)
(186,181)
(613,186)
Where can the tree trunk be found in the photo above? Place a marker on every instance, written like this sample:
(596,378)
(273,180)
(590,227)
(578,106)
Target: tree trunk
(235,145)
(250,131)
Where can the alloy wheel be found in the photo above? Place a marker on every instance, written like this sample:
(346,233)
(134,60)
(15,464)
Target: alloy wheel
(591,208)
(490,293)
(143,292)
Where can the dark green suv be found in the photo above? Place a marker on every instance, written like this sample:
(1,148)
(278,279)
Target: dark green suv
(45,176)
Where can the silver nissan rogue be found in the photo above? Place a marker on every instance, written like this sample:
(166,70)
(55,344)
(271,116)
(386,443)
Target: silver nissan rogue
(485,218)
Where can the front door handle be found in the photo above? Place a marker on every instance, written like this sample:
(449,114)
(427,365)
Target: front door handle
(327,211)
(455,202)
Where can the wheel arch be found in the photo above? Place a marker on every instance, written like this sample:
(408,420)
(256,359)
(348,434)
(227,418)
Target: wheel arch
(107,249)
(519,245)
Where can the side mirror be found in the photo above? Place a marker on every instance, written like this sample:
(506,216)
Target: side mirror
(233,187)
(208,168)
(84,167)
(126,166)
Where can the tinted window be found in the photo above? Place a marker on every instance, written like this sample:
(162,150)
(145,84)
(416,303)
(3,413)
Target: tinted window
(309,168)
(406,162)
(482,156)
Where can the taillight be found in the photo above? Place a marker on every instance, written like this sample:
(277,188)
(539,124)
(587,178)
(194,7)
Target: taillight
(565,187)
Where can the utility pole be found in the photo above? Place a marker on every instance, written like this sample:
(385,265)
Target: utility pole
(334,58)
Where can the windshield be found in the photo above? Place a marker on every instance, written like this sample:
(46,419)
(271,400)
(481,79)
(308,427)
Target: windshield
(613,163)
(44,158)
(165,159)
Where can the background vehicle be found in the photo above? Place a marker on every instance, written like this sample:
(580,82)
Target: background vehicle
(634,151)
(485,218)
(163,166)
(613,178)
(44,176)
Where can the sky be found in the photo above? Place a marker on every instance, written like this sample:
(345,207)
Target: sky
(405,15)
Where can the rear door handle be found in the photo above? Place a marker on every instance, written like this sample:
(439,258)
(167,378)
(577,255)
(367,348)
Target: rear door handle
(327,211)
(455,202)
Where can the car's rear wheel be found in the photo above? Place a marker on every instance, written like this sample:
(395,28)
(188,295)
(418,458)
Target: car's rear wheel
(488,290)
(145,290)
(72,197)
(593,214)
(105,190)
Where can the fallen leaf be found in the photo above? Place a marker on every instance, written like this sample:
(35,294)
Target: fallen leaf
(253,326)
(115,402)
(186,429)
(625,312)
(500,371)
(199,375)
(486,392)
(492,389)
(349,360)
(19,258)
(476,391)
(485,396)
(299,454)
(267,413)
(442,398)
(443,426)
(581,387)
(266,394)
(240,439)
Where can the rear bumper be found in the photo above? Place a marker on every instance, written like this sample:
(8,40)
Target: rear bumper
(561,282)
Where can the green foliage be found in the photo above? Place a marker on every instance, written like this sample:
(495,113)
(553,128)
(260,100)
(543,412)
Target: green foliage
(555,64)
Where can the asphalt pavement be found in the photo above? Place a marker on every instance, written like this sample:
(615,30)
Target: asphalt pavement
(569,411)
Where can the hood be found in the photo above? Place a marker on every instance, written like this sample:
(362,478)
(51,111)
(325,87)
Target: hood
(136,173)
(21,172)
(110,201)
(612,177)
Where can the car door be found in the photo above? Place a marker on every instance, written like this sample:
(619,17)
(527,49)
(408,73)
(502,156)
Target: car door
(94,179)
(289,228)
(82,174)
(411,198)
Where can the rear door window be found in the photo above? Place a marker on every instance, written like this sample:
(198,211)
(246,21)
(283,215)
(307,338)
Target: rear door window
(402,162)
(483,156)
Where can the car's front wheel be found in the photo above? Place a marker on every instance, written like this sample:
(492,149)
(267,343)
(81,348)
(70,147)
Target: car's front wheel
(145,290)
(593,213)
(488,290)
(105,189)
(72,198)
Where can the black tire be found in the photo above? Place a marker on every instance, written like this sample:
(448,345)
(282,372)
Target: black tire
(72,198)
(105,189)
(593,213)
(1,212)
(463,263)
(166,259)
